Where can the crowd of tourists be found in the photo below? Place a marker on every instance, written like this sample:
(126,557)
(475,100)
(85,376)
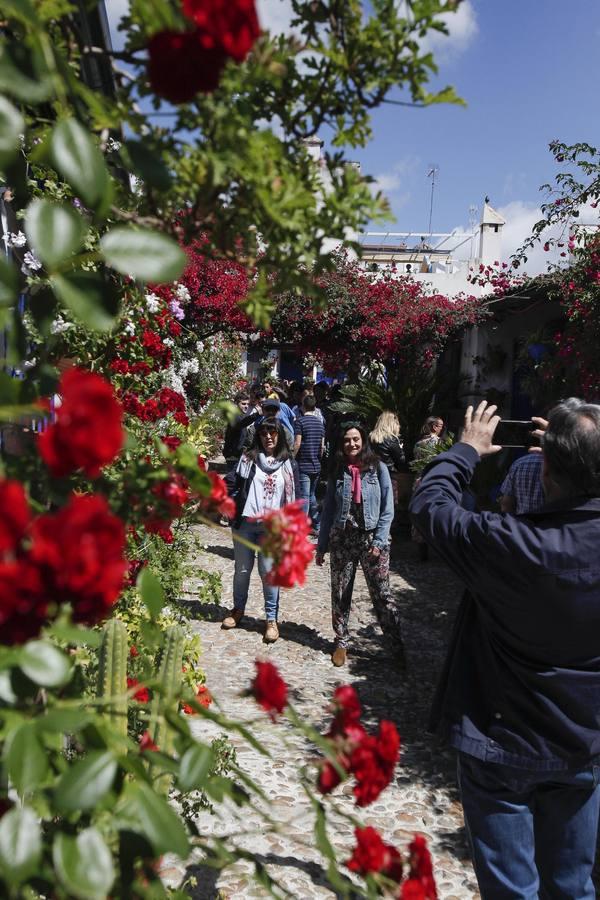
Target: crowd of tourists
(519,695)
(291,443)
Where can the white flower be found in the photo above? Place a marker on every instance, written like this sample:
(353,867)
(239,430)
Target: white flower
(129,328)
(30,263)
(152,303)
(59,325)
(174,380)
(200,347)
(194,366)
(182,293)
(17,240)
(169,342)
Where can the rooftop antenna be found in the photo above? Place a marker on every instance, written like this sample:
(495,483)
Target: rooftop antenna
(433,172)
(473,214)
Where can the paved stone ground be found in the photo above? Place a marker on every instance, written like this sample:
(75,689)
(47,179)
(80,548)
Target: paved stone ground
(423,796)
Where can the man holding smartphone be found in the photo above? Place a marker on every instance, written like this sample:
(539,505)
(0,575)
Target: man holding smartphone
(519,697)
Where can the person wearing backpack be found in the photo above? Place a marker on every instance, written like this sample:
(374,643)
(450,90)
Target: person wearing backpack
(355,528)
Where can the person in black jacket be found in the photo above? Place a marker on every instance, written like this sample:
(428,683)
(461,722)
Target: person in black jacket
(385,441)
(519,696)
(266,478)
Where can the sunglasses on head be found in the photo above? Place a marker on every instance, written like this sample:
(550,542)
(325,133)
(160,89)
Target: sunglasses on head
(267,430)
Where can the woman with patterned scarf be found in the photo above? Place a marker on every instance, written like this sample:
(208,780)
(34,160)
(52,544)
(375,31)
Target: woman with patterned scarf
(266,478)
(355,527)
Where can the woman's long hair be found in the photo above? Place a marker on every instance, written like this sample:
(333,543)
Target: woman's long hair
(281,447)
(386,426)
(366,458)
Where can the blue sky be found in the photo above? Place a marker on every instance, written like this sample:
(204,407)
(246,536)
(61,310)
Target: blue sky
(529,71)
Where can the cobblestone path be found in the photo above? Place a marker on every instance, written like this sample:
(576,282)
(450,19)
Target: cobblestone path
(423,795)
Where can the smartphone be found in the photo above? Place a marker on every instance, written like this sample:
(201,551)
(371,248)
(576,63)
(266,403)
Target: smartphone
(514,433)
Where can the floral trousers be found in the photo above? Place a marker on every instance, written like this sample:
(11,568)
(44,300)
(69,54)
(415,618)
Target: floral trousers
(349,547)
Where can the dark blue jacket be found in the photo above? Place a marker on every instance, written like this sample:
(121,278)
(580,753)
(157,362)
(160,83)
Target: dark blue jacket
(521,684)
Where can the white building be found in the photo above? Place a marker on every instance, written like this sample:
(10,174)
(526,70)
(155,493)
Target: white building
(442,260)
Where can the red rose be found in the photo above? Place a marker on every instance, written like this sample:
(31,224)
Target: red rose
(229,25)
(171,441)
(421,867)
(373,761)
(203,697)
(218,499)
(412,889)
(329,778)
(14,515)
(372,854)
(179,66)
(146,742)
(269,688)
(88,431)
(79,552)
(286,543)
(23,602)
(133,651)
(347,708)
(142,695)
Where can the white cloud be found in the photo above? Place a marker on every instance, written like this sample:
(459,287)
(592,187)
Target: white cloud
(395,178)
(520,219)
(462,30)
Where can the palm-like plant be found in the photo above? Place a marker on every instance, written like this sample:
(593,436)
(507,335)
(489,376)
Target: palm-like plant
(410,398)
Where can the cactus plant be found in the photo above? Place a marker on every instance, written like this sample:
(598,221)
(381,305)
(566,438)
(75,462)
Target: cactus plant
(112,673)
(169,687)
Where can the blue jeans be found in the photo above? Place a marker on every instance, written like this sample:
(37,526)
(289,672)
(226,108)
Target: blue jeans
(308,486)
(532,834)
(244,563)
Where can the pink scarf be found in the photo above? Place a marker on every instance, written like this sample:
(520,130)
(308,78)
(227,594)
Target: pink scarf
(356,483)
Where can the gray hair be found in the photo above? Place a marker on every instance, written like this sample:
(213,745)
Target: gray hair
(572,447)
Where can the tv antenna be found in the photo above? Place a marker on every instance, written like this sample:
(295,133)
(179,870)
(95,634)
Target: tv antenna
(432,172)
(473,211)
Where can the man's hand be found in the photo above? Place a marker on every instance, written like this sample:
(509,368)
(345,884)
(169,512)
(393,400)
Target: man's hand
(479,428)
(319,558)
(542,425)
(374,551)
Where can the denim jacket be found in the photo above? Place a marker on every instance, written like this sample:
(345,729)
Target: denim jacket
(377,500)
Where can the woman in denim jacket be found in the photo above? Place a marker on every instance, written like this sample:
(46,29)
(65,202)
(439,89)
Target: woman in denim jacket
(355,527)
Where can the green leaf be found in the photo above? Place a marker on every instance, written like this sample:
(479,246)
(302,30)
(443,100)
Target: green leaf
(12,126)
(75,634)
(13,79)
(148,165)
(80,162)
(142,254)
(55,231)
(26,760)
(151,591)
(158,822)
(9,280)
(86,782)
(84,865)
(63,721)
(44,664)
(194,767)
(89,297)
(20,844)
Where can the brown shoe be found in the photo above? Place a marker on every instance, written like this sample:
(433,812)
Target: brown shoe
(271,633)
(233,619)
(338,657)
